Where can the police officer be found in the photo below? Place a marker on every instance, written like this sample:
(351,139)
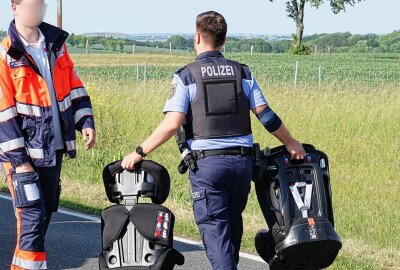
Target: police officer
(214,96)
(42,103)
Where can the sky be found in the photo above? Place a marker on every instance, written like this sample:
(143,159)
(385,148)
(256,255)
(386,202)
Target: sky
(250,17)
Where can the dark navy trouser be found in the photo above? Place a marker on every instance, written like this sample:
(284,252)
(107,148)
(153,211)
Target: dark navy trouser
(51,187)
(220,190)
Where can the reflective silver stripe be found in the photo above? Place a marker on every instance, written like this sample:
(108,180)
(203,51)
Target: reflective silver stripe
(3,52)
(81,113)
(79,92)
(35,153)
(8,114)
(29,264)
(65,104)
(28,109)
(71,145)
(12,145)
(4,55)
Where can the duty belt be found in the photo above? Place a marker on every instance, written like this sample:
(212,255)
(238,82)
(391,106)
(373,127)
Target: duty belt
(244,151)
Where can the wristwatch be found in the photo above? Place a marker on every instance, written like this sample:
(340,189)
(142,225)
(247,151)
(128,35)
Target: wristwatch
(139,150)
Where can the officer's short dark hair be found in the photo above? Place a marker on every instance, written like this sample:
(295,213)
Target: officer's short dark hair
(212,27)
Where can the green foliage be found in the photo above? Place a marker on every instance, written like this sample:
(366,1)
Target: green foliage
(293,6)
(340,5)
(390,42)
(113,44)
(244,45)
(3,34)
(346,42)
(300,50)
(179,43)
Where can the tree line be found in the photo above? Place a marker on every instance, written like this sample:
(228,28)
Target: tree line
(336,42)
(348,43)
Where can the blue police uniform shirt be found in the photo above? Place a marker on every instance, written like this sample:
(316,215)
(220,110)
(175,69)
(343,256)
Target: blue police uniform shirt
(185,91)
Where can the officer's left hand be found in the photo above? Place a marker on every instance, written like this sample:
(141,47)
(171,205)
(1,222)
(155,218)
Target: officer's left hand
(89,135)
(128,163)
(296,149)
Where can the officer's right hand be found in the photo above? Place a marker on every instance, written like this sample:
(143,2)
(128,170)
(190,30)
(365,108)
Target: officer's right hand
(129,161)
(24,168)
(295,149)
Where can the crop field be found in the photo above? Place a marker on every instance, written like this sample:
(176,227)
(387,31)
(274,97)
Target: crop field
(371,70)
(346,105)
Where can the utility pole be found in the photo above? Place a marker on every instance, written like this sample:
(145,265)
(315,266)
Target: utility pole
(59,13)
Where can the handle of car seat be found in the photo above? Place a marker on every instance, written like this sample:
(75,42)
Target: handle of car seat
(307,147)
(298,161)
(116,167)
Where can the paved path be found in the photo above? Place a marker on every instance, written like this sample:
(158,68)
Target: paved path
(73,242)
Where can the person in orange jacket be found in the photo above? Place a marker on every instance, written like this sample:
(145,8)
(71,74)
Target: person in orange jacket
(42,105)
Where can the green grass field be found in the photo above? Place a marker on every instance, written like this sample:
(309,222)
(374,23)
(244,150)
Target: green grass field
(354,117)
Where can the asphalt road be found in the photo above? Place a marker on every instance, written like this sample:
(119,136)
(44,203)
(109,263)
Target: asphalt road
(73,242)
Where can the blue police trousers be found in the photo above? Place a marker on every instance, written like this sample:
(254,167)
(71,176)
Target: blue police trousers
(220,190)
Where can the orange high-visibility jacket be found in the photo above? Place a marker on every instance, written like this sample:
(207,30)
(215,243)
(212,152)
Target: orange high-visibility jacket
(26,130)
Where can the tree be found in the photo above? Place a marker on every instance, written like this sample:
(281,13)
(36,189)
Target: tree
(179,42)
(390,42)
(260,45)
(295,10)
(71,40)
(121,44)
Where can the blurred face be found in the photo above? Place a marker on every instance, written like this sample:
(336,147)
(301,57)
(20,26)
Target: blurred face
(29,13)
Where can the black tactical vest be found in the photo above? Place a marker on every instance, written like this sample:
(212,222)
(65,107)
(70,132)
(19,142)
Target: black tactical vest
(220,108)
